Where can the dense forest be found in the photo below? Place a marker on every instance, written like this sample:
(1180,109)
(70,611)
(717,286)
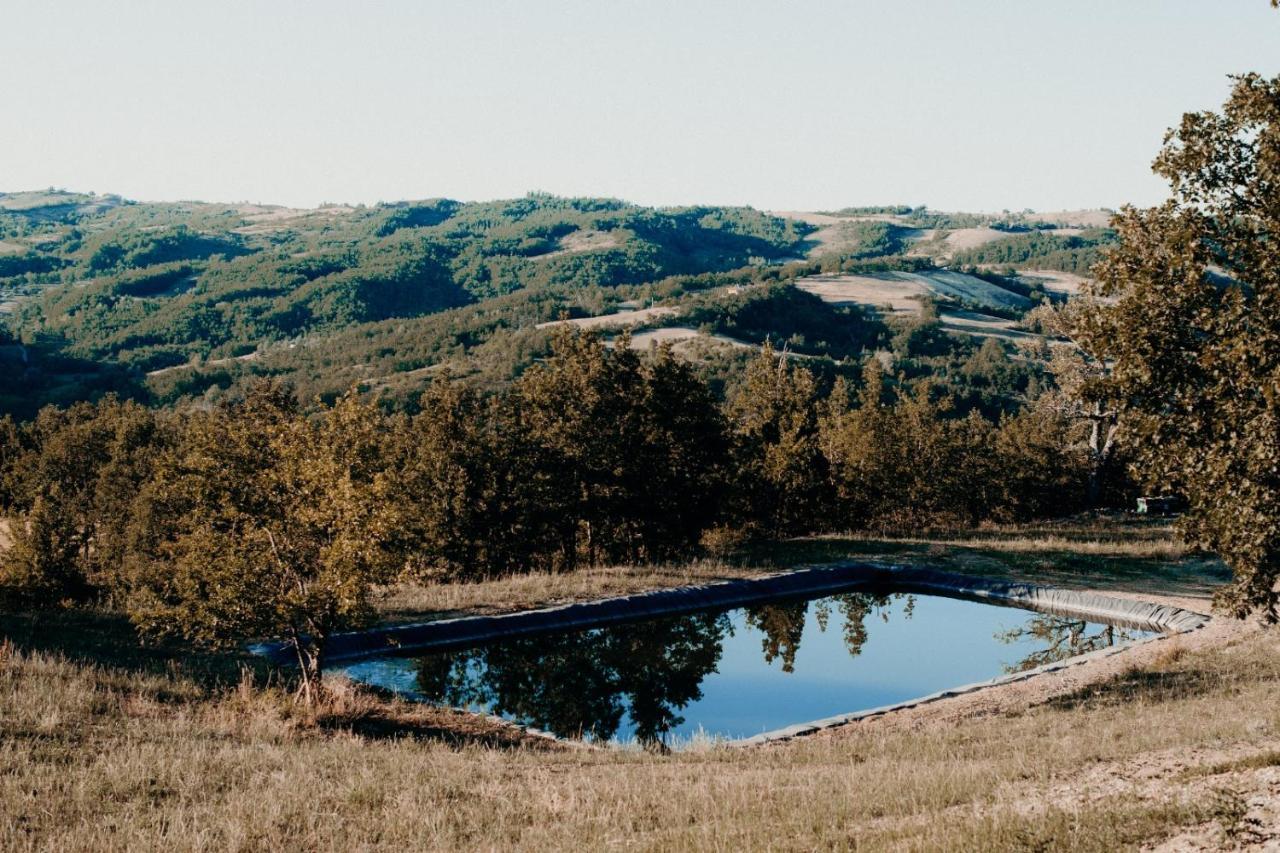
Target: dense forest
(1073,253)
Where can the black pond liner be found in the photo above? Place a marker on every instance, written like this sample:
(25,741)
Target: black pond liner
(876,578)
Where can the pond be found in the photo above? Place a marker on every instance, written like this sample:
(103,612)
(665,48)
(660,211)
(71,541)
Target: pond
(736,673)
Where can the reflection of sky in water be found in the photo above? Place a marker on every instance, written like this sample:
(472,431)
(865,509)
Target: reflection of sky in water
(942,643)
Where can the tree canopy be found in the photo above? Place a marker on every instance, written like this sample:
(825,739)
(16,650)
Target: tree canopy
(1194,332)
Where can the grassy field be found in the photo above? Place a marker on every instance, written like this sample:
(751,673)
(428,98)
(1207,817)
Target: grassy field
(105,744)
(1119,553)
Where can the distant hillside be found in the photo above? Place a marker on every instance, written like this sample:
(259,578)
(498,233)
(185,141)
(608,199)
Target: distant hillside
(173,301)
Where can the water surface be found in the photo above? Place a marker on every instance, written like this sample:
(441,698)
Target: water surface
(737,673)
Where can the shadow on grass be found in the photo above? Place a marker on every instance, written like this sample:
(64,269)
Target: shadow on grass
(1195,576)
(458,731)
(1150,686)
(107,639)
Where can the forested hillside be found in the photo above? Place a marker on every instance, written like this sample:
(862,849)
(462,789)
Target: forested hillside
(166,302)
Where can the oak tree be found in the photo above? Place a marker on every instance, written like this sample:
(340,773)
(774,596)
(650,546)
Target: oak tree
(1194,333)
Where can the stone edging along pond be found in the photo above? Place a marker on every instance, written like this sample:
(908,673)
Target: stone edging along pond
(879,578)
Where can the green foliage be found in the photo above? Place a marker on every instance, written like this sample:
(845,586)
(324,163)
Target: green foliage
(67,479)
(908,465)
(1194,352)
(41,568)
(780,473)
(28,263)
(629,454)
(254,518)
(258,522)
(152,287)
(1036,250)
(883,209)
(871,239)
(130,249)
(786,315)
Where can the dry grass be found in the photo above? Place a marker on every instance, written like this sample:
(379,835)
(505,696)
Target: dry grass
(1152,549)
(541,589)
(1108,554)
(107,744)
(112,759)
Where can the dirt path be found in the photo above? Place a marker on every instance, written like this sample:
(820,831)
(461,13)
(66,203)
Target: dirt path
(216,362)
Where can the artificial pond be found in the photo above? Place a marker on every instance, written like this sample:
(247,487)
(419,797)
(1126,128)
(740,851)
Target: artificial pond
(732,674)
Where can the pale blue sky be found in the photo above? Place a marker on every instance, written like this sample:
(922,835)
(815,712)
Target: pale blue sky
(960,104)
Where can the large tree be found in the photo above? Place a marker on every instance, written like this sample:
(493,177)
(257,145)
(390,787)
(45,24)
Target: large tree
(1194,333)
(262,523)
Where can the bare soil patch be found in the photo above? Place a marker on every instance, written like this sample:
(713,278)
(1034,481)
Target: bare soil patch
(971,238)
(1075,218)
(830,236)
(1054,281)
(585,240)
(635,317)
(266,219)
(984,326)
(681,334)
(215,362)
(901,291)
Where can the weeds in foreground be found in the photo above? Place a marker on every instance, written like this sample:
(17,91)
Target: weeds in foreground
(1230,810)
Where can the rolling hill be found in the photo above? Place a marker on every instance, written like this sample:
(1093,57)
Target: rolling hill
(175,301)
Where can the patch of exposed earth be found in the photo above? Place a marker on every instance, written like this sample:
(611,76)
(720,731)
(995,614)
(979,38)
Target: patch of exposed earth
(984,326)
(267,219)
(901,291)
(619,319)
(584,240)
(679,334)
(971,238)
(1068,284)
(1096,218)
(831,237)
(216,362)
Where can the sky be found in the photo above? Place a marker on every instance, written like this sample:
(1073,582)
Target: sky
(803,104)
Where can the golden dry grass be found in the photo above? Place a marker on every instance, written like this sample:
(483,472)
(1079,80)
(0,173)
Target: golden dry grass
(537,589)
(110,759)
(157,748)
(1108,553)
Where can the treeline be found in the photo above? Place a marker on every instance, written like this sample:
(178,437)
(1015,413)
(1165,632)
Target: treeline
(1067,253)
(256,518)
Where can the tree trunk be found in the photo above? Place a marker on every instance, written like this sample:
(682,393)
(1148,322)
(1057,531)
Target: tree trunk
(1102,434)
(309,666)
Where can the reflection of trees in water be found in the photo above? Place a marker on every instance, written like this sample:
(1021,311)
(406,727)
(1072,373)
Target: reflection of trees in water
(1061,638)
(581,683)
(574,684)
(783,624)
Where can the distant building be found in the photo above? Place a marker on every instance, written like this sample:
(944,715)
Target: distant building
(1159,505)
